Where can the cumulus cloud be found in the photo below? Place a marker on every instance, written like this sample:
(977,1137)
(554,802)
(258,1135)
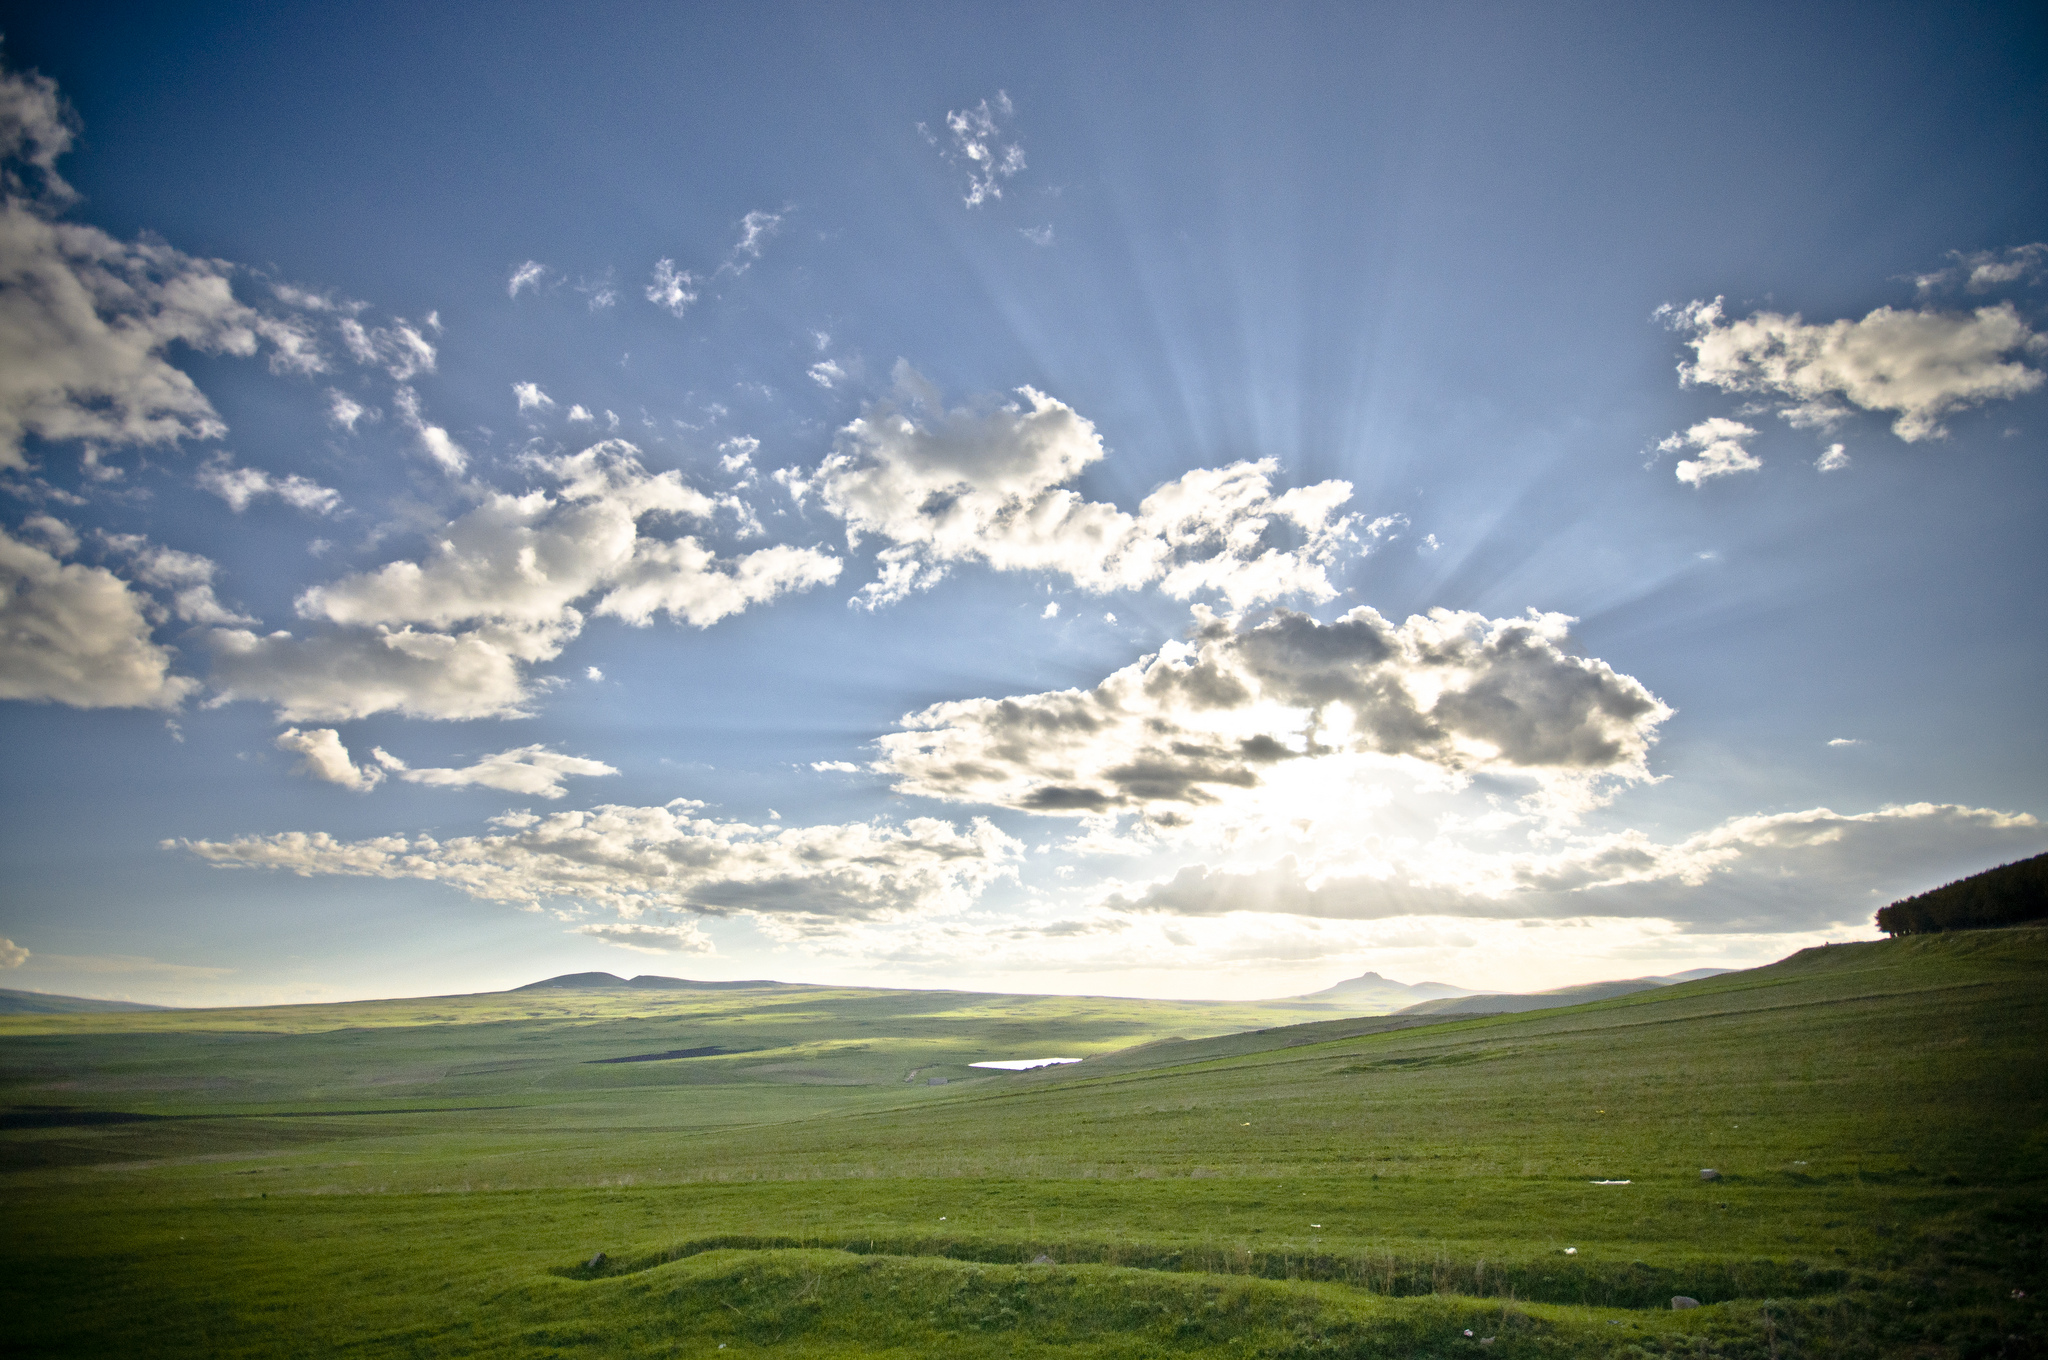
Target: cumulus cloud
(531,770)
(448,636)
(672,289)
(1786,871)
(1195,724)
(1980,271)
(1717,450)
(531,398)
(1920,364)
(86,321)
(964,485)
(976,139)
(12,955)
(1832,459)
(827,373)
(525,276)
(324,757)
(239,487)
(630,860)
(78,635)
(685,938)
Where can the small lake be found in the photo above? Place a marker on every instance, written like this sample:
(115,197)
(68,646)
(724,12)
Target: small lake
(1024,1064)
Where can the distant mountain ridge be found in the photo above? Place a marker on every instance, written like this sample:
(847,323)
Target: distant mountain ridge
(1380,994)
(645,981)
(44,1003)
(1503,1003)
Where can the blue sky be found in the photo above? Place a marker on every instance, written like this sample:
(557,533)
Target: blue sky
(1161,501)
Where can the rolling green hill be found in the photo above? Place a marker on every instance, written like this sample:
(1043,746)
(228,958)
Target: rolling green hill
(439,1177)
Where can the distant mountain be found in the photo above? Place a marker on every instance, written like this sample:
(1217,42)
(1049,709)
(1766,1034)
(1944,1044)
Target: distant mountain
(613,982)
(1498,1003)
(42,1003)
(1371,994)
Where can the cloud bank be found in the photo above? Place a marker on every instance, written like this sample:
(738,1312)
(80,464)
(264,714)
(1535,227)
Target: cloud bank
(1785,871)
(630,860)
(1196,724)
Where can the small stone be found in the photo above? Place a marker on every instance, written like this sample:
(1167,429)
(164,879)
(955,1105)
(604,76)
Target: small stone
(594,1262)
(1680,1302)
(1707,1173)
(1041,1260)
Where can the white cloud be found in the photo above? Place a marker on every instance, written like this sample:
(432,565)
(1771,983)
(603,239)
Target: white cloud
(531,398)
(1717,442)
(436,441)
(755,228)
(12,955)
(578,413)
(835,766)
(1052,610)
(1196,725)
(188,578)
(593,674)
(59,537)
(1832,459)
(976,140)
(672,289)
(78,635)
(240,486)
(1845,741)
(525,276)
(826,373)
(796,880)
(325,758)
(1786,871)
(86,320)
(1980,271)
(1920,364)
(737,453)
(501,590)
(36,130)
(344,411)
(531,770)
(477,673)
(1038,236)
(399,349)
(685,938)
(945,486)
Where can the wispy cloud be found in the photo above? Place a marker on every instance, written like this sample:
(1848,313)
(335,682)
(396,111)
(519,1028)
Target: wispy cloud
(976,139)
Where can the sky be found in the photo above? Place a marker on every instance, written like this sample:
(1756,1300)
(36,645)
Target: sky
(1179,501)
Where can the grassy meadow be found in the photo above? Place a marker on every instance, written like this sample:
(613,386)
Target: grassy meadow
(439,1177)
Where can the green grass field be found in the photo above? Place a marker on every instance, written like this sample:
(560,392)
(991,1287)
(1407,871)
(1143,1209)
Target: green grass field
(437,1177)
